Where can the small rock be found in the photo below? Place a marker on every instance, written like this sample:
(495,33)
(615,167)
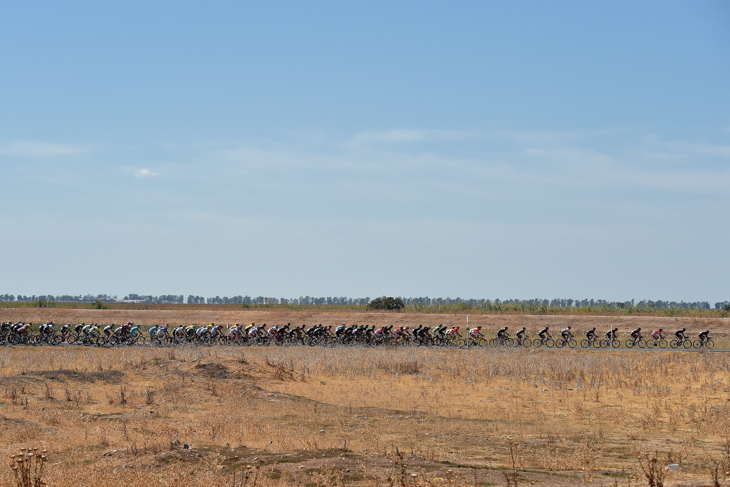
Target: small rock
(152,412)
(176,443)
(115,451)
(186,446)
(347,470)
(107,454)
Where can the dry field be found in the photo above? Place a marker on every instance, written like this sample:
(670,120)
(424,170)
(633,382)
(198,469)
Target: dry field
(719,326)
(303,416)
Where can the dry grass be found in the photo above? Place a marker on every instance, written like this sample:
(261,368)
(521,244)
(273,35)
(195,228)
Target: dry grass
(222,314)
(304,416)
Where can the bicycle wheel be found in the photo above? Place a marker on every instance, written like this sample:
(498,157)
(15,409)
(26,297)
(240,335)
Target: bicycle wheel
(630,343)
(560,343)
(642,343)
(651,344)
(572,343)
(709,344)
(584,343)
(493,342)
(550,343)
(662,343)
(674,344)
(687,344)
(526,342)
(696,344)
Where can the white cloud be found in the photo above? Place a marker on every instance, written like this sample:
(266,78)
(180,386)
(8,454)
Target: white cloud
(144,173)
(30,148)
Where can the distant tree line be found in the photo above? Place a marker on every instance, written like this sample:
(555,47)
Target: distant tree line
(345,301)
(87,298)
(563,303)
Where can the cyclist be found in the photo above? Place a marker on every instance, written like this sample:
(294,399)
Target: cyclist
(297,331)
(162,332)
(190,331)
(591,334)
(657,335)
(545,332)
(108,330)
(454,332)
(400,332)
(46,328)
(521,335)
(704,336)
(379,333)
(566,334)
(425,333)
(24,329)
(502,333)
(85,329)
(680,335)
(179,332)
(153,331)
(65,331)
(636,335)
(94,331)
(476,333)
(611,334)
(203,331)
(216,330)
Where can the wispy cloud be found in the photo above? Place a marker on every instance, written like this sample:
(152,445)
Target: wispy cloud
(31,148)
(144,173)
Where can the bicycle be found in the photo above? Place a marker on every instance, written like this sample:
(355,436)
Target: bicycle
(635,342)
(503,341)
(590,343)
(704,343)
(479,341)
(544,342)
(656,343)
(562,342)
(683,343)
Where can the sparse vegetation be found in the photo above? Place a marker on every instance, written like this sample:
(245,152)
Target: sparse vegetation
(289,416)
(387,303)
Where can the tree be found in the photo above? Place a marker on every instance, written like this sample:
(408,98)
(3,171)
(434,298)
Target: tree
(387,303)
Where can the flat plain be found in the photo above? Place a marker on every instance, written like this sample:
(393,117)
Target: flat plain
(361,416)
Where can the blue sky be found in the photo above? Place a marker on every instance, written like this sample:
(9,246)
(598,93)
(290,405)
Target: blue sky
(472,149)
